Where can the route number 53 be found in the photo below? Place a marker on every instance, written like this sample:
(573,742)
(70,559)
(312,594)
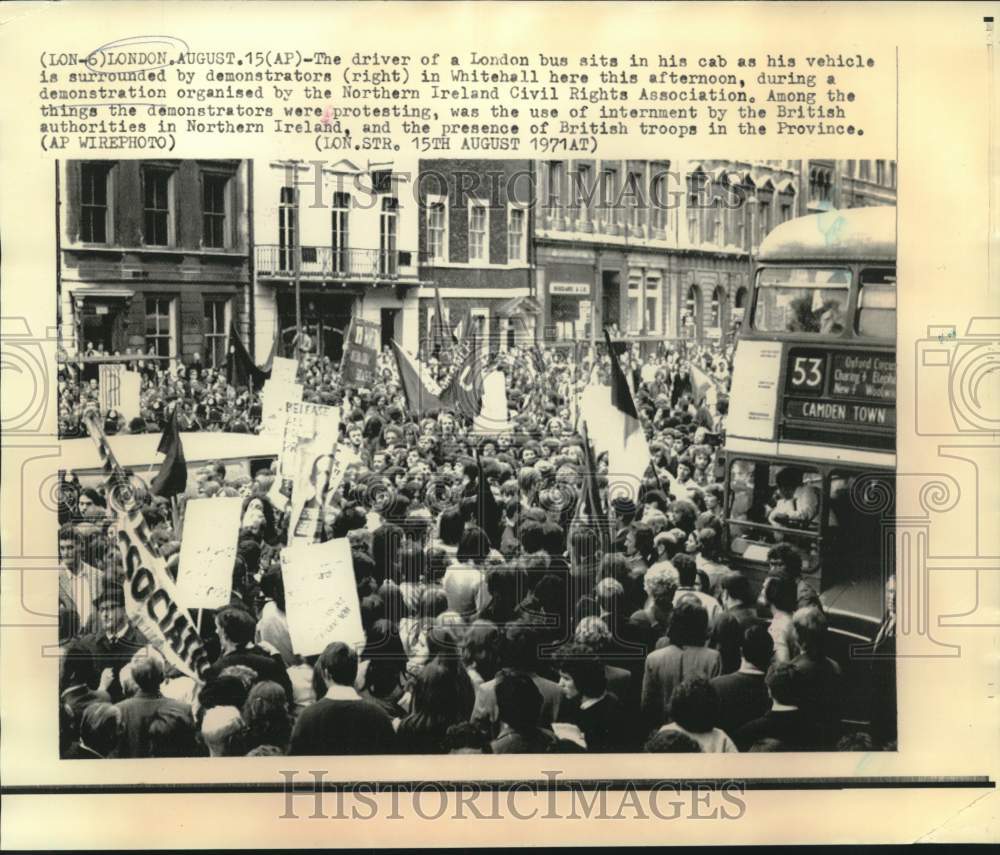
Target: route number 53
(806,372)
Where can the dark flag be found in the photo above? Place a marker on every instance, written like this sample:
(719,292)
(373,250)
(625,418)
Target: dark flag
(240,367)
(462,391)
(171,480)
(538,359)
(628,452)
(442,335)
(590,510)
(421,394)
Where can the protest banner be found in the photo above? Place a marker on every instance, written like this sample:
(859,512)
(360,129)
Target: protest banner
(109,386)
(273,400)
(359,363)
(283,370)
(151,601)
(321,597)
(208,552)
(130,405)
(311,433)
(493,418)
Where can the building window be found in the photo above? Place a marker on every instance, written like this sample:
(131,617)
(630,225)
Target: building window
(157,188)
(865,170)
(651,321)
(437,229)
(659,200)
(338,232)
(388,258)
(478,242)
(215,211)
(763,219)
(94,202)
(694,212)
(515,234)
(636,201)
(557,173)
(583,191)
(634,317)
(715,233)
(786,211)
(609,187)
(715,319)
(691,312)
(288,203)
(740,224)
(216,332)
(820,183)
(159,326)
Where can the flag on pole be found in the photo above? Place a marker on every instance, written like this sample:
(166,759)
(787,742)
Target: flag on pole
(442,335)
(703,387)
(423,397)
(240,367)
(463,390)
(628,452)
(171,480)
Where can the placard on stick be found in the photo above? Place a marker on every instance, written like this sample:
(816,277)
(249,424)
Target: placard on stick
(208,552)
(321,596)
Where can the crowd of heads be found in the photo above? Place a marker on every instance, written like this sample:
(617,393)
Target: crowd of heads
(495,619)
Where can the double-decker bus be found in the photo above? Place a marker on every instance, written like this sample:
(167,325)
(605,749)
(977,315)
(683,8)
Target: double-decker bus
(810,436)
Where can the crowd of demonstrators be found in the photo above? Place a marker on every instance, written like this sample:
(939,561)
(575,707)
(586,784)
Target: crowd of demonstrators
(501,626)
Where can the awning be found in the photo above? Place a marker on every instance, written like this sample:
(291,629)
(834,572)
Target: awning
(87,291)
(520,306)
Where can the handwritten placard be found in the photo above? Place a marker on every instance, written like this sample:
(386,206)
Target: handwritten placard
(321,597)
(274,398)
(208,552)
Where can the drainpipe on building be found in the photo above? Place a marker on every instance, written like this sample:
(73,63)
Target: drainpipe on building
(58,261)
(251,264)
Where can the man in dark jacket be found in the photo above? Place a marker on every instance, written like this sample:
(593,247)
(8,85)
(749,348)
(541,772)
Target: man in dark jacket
(144,706)
(116,642)
(743,695)
(236,628)
(784,722)
(341,722)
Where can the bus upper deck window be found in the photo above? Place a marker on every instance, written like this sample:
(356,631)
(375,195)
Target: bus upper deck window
(802,300)
(877,303)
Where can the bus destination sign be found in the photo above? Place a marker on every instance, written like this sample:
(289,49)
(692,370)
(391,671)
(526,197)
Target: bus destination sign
(842,388)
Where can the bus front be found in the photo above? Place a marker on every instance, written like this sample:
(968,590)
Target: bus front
(810,435)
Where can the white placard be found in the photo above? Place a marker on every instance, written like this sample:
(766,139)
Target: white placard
(493,417)
(321,596)
(754,400)
(131,394)
(283,370)
(208,551)
(109,394)
(273,400)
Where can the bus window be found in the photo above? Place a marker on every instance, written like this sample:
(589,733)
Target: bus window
(772,503)
(877,303)
(860,511)
(801,300)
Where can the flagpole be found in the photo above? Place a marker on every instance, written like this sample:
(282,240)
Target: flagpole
(297,271)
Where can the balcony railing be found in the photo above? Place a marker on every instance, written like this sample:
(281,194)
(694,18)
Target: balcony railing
(325,262)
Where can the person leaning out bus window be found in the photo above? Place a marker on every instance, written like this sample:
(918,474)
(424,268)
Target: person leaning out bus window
(798,504)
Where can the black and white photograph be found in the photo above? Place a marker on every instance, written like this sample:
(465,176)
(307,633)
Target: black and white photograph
(389,387)
(609,466)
